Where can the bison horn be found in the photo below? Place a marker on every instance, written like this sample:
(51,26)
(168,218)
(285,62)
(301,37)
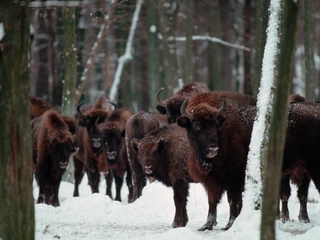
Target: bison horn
(96,123)
(160,140)
(161,103)
(223,107)
(78,109)
(183,109)
(114,105)
(135,141)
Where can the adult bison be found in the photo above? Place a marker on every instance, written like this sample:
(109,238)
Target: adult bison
(219,126)
(137,126)
(91,157)
(163,155)
(38,106)
(171,106)
(113,138)
(53,143)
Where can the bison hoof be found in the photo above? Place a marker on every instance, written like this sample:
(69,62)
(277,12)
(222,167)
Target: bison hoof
(304,218)
(208,226)
(284,218)
(181,223)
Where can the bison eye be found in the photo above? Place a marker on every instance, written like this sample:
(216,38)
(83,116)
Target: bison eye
(196,126)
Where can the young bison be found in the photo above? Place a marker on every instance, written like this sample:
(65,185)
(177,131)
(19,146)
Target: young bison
(163,156)
(137,127)
(53,143)
(171,106)
(219,126)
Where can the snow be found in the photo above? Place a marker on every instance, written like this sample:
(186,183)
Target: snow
(96,216)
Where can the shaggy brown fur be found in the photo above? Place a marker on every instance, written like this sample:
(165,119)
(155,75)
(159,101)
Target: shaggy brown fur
(219,144)
(38,106)
(53,143)
(171,106)
(112,133)
(163,156)
(137,127)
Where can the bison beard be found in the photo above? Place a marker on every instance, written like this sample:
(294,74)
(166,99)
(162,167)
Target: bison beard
(219,136)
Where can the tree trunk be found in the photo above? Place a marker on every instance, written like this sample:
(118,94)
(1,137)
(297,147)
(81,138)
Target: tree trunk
(168,15)
(310,77)
(261,27)
(153,52)
(16,171)
(287,24)
(70,76)
(188,63)
(248,88)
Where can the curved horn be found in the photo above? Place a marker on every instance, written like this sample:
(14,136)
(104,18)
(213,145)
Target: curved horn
(183,109)
(114,105)
(223,107)
(135,141)
(78,109)
(161,103)
(159,140)
(96,123)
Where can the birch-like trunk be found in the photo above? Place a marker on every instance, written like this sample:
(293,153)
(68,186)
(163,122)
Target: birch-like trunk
(16,171)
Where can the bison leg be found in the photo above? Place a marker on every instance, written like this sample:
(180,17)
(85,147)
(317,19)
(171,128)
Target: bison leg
(55,194)
(93,176)
(214,195)
(180,194)
(303,198)
(138,179)
(235,203)
(41,192)
(285,192)
(78,175)
(119,182)
(109,179)
(129,183)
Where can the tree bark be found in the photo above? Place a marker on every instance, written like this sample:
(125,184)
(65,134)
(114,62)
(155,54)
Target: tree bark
(310,72)
(248,88)
(287,20)
(16,171)
(188,62)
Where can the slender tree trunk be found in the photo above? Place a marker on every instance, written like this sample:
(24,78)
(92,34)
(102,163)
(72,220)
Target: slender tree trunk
(310,72)
(168,14)
(16,171)
(261,27)
(287,24)
(153,52)
(248,88)
(70,77)
(188,62)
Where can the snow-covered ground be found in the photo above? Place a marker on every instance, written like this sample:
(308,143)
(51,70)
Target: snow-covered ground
(96,216)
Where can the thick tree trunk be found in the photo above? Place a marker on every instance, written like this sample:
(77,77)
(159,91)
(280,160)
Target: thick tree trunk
(16,171)
(168,15)
(248,88)
(310,72)
(70,77)
(287,21)
(188,61)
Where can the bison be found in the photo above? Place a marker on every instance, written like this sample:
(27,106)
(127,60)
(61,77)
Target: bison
(53,144)
(163,155)
(38,106)
(219,126)
(91,158)
(137,127)
(113,139)
(171,106)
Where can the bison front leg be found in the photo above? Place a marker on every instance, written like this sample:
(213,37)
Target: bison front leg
(303,198)
(138,179)
(234,195)
(109,179)
(214,195)
(129,183)
(78,175)
(285,192)
(180,194)
(119,181)
(41,192)
(93,176)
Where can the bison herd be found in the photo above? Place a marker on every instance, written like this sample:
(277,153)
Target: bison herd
(198,136)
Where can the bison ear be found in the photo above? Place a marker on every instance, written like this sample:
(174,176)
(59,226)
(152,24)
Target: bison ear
(123,133)
(221,120)
(161,109)
(184,122)
(135,144)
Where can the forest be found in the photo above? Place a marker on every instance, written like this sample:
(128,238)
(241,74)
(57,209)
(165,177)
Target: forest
(81,58)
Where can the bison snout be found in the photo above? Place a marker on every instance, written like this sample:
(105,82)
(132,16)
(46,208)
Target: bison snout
(212,151)
(112,155)
(148,169)
(63,165)
(96,142)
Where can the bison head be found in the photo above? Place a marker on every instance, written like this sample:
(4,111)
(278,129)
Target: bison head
(112,137)
(202,127)
(61,151)
(149,149)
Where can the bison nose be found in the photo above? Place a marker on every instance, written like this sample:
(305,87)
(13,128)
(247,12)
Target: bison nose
(111,155)
(148,169)
(63,165)
(212,151)
(96,142)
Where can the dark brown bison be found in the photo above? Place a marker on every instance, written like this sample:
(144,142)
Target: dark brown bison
(91,158)
(53,143)
(38,106)
(219,126)
(137,126)
(171,106)
(299,176)
(113,138)
(164,156)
